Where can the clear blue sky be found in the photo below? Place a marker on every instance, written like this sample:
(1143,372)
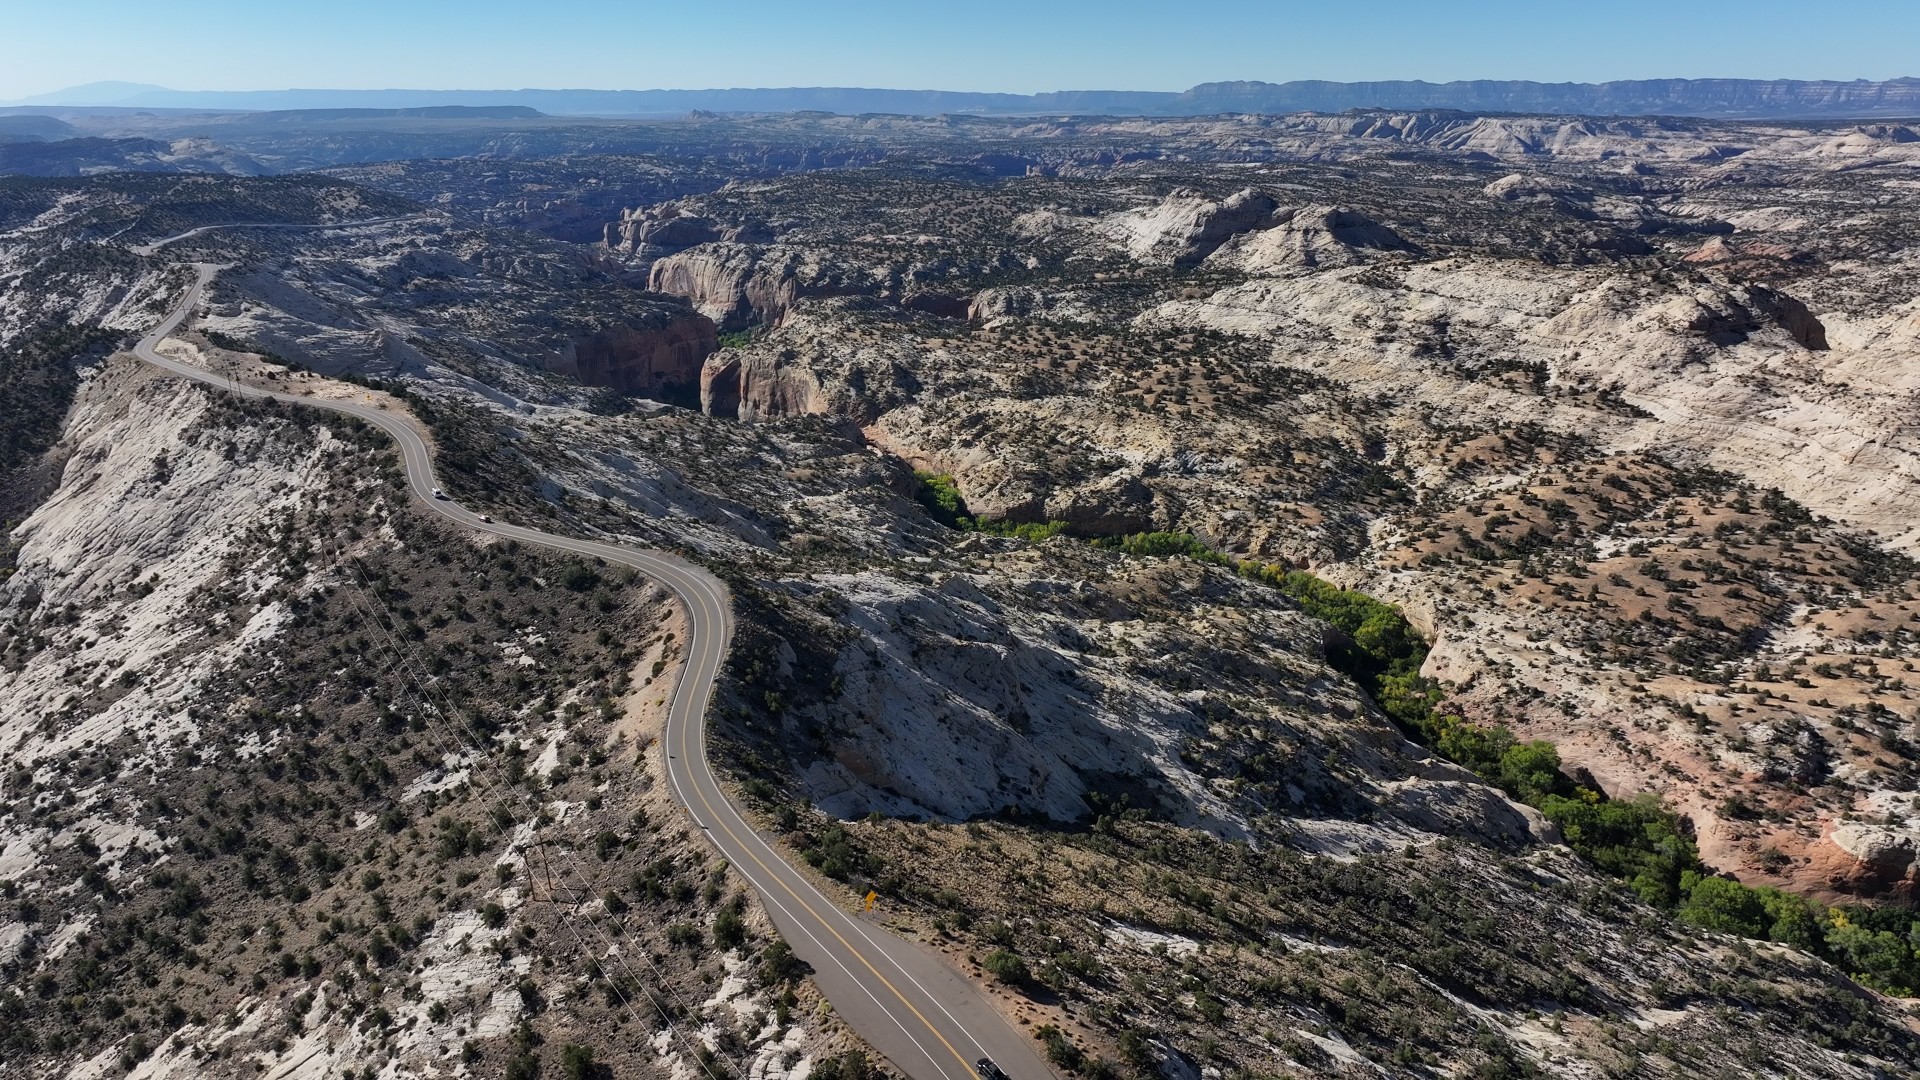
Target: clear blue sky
(1005,45)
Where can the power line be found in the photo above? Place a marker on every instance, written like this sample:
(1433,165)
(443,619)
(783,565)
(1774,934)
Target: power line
(490,793)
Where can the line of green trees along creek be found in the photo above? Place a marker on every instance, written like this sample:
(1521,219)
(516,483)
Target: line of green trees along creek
(1636,841)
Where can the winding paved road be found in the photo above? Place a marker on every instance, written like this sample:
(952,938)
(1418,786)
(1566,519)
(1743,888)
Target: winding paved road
(145,250)
(905,1001)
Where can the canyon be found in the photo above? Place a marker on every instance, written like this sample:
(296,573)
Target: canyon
(1138,529)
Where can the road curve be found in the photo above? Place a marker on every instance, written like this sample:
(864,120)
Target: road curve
(148,249)
(906,1002)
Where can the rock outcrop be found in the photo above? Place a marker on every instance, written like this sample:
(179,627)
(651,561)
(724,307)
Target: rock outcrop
(736,284)
(1248,231)
(651,232)
(1068,684)
(1877,859)
(661,362)
(805,370)
(1749,260)
(1187,227)
(998,303)
(716,279)
(1523,187)
(1309,237)
(759,385)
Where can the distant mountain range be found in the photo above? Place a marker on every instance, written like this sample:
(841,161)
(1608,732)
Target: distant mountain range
(1713,98)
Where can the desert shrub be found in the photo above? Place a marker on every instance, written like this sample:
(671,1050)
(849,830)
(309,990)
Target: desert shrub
(779,965)
(729,929)
(458,838)
(1077,963)
(834,855)
(1006,966)
(1060,1050)
(1136,1049)
(607,844)
(852,1065)
(576,1063)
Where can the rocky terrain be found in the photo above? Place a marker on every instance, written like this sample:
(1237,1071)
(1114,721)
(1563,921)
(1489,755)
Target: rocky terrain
(329,791)
(572,200)
(1307,596)
(1515,446)
(465,162)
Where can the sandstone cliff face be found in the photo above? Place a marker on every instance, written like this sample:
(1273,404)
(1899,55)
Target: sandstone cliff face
(759,385)
(736,285)
(720,384)
(662,363)
(808,370)
(725,283)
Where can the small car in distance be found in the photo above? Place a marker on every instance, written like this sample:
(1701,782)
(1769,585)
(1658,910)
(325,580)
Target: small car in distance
(988,1070)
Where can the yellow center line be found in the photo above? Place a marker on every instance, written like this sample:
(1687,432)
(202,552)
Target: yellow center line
(667,571)
(957,1056)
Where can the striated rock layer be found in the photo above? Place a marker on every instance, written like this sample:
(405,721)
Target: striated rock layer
(663,363)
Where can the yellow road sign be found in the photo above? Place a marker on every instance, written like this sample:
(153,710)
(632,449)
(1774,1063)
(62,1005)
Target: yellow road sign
(871,897)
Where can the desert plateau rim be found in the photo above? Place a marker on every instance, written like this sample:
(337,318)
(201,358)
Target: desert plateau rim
(1219,585)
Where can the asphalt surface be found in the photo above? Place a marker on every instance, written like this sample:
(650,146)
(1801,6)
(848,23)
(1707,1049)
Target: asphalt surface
(906,1002)
(149,249)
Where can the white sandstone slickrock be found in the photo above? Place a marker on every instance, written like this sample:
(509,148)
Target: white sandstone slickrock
(124,540)
(1724,370)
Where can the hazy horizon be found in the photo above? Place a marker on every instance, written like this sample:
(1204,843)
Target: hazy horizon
(1001,47)
(136,87)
